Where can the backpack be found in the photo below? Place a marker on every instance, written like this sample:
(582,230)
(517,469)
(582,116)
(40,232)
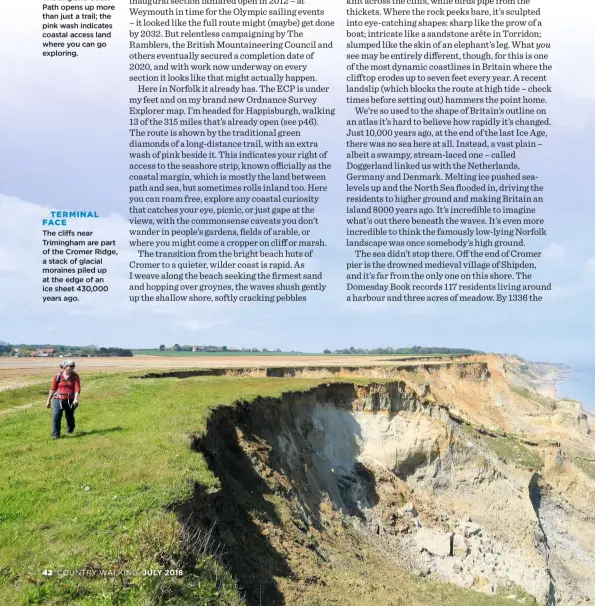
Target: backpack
(59,378)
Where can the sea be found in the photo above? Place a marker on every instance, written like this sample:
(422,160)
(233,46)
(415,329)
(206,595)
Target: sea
(579,385)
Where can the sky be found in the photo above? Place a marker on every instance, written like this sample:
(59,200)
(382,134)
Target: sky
(64,145)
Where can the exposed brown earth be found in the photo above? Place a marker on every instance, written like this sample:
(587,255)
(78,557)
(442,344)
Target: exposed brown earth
(459,472)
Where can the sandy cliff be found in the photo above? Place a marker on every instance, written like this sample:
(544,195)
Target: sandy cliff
(469,472)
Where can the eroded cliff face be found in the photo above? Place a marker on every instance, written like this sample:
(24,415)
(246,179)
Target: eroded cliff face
(457,472)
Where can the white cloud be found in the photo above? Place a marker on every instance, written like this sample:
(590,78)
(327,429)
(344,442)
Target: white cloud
(21,270)
(6,264)
(21,254)
(368,307)
(204,324)
(398,308)
(554,252)
(562,292)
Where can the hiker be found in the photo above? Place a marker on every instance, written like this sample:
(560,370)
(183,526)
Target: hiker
(64,392)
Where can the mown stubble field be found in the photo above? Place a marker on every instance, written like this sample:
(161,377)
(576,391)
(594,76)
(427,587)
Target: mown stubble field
(21,372)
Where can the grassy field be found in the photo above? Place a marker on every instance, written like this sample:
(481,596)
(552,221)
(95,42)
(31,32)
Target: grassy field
(388,357)
(251,354)
(99,499)
(86,499)
(32,395)
(269,354)
(22,372)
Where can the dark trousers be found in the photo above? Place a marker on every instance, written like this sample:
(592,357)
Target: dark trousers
(58,407)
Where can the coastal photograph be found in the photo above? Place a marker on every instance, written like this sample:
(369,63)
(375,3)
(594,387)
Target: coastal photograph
(296,303)
(215,475)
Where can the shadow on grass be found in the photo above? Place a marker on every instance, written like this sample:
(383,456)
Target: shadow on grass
(81,434)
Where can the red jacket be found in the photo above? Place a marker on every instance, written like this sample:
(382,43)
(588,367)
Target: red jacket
(66,387)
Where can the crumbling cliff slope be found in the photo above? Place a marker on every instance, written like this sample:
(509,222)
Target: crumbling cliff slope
(464,472)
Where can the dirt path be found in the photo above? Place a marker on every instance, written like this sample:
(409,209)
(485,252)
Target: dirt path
(15,409)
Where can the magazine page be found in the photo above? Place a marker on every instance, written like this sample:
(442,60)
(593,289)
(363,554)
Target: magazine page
(296,302)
